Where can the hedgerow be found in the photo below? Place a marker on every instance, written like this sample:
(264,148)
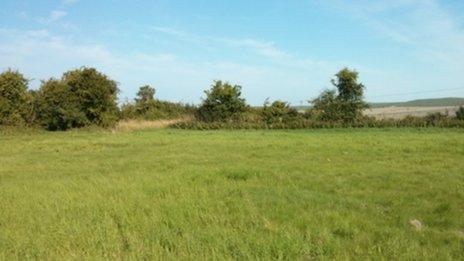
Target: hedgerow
(86,97)
(147,107)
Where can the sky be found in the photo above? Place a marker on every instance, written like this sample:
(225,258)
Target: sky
(277,49)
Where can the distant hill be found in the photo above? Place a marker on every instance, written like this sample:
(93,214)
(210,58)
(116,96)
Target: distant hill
(423,103)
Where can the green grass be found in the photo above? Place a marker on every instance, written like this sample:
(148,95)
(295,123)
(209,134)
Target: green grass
(171,194)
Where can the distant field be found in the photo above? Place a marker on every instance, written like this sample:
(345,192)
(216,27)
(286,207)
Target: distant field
(402,112)
(419,108)
(440,102)
(171,194)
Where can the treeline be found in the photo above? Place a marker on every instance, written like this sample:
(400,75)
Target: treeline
(80,98)
(85,97)
(343,106)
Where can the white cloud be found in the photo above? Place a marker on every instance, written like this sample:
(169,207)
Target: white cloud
(54,16)
(41,54)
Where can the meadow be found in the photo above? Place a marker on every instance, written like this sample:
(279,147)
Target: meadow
(176,194)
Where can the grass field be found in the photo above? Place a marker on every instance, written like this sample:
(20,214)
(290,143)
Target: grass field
(171,194)
(403,112)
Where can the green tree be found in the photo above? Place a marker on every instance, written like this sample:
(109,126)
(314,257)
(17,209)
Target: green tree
(96,95)
(145,94)
(223,102)
(345,103)
(145,100)
(350,94)
(15,101)
(58,107)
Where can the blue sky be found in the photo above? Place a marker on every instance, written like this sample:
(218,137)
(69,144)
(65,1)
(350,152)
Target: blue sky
(403,49)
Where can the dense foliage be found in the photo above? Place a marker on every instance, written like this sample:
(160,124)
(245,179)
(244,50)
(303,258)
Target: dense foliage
(96,95)
(460,113)
(278,112)
(146,107)
(58,107)
(344,104)
(223,102)
(15,100)
(82,97)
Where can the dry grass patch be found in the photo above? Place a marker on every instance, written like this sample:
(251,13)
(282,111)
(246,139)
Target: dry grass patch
(403,112)
(134,125)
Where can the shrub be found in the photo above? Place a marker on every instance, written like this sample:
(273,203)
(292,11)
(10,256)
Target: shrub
(326,107)
(460,113)
(223,102)
(160,110)
(58,107)
(278,112)
(15,100)
(148,108)
(96,95)
(434,119)
(128,111)
(81,98)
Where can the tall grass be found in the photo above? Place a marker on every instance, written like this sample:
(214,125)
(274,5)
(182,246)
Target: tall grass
(171,194)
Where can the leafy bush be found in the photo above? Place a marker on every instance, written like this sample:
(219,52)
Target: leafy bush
(159,110)
(223,102)
(96,95)
(15,100)
(434,119)
(58,107)
(460,113)
(81,98)
(326,107)
(278,112)
(128,111)
(148,108)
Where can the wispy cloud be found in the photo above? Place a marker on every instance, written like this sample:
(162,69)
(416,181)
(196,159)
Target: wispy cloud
(54,16)
(425,25)
(263,49)
(42,54)
(267,49)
